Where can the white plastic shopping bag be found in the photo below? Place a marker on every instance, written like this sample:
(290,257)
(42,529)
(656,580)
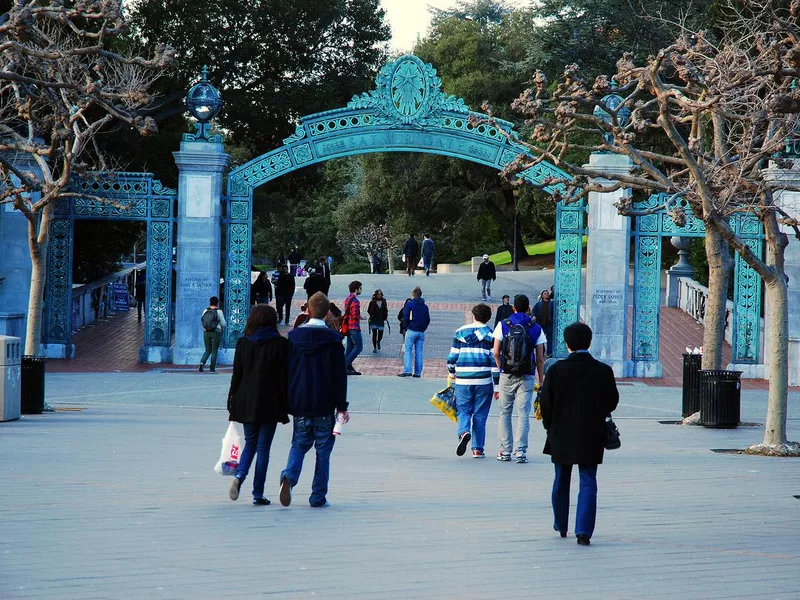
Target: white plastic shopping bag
(232,446)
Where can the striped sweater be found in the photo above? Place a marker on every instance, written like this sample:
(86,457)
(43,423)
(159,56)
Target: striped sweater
(471,358)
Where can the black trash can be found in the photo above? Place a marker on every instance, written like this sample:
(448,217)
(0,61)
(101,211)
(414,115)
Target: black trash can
(720,398)
(32,385)
(691,383)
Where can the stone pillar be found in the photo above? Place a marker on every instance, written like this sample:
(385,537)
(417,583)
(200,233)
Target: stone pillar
(200,165)
(608,269)
(790,202)
(682,268)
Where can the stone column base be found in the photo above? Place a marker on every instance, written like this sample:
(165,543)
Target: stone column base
(57,350)
(651,369)
(750,371)
(192,356)
(155,354)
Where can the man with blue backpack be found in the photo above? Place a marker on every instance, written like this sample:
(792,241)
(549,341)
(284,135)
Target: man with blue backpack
(518,350)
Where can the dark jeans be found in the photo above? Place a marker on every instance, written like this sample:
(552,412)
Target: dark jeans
(280,302)
(140,307)
(257,442)
(587,499)
(211,339)
(355,344)
(411,264)
(317,432)
(377,336)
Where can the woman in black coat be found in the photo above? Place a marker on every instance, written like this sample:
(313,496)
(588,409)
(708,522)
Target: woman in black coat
(578,394)
(257,397)
(378,313)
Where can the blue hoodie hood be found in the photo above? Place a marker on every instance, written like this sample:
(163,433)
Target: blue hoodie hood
(263,335)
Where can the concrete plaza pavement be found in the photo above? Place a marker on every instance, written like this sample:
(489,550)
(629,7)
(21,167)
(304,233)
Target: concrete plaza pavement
(117,499)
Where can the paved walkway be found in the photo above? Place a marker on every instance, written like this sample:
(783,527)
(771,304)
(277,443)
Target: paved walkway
(117,499)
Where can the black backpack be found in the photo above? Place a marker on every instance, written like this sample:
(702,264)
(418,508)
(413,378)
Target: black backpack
(210,319)
(517,349)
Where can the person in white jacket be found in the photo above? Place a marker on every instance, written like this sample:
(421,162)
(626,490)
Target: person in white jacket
(213,322)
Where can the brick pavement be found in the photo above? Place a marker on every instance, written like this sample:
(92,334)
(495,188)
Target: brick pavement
(121,502)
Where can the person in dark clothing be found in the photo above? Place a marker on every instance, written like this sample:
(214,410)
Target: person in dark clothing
(378,313)
(257,396)
(314,283)
(411,251)
(324,269)
(281,260)
(284,290)
(428,252)
(543,313)
(261,290)
(416,318)
(294,260)
(141,293)
(504,311)
(578,394)
(486,275)
(317,393)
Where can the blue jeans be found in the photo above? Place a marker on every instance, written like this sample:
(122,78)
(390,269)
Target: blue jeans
(317,432)
(257,442)
(587,499)
(415,340)
(426,262)
(473,403)
(355,344)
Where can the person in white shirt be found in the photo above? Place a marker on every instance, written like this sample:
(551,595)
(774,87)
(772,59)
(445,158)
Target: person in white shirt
(213,322)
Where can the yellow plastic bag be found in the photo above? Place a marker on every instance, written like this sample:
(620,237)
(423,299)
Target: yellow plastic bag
(537,406)
(445,401)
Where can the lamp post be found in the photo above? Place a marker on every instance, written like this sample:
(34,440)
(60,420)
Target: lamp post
(613,101)
(515,266)
(204,103)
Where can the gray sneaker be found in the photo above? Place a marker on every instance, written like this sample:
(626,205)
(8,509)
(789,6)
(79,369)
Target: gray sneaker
(520,457)
(233,493)
(504,456)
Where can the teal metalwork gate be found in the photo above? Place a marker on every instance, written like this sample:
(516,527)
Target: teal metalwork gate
(648,231)
(407,112)
(570,230)
(118,196)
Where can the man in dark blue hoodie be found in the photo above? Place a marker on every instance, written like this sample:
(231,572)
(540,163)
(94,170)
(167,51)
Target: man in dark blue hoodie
(416,319)
(317,391)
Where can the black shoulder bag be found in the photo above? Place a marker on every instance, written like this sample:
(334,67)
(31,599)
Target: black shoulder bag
(612,434)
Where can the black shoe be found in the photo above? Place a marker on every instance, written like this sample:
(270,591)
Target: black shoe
(415,375)
(353,372)
(286,492)
(375,350)
(404,374)
(201,368)
(233,493)
(583,540)
(563,534)
(379,345)
(261,502)
(462,444)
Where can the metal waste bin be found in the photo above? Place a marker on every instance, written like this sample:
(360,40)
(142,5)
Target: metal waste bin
(10,353)
(691,383)
(32,385)
(720,398)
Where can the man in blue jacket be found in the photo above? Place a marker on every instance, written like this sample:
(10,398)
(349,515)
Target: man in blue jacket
(317,391)
(416,319)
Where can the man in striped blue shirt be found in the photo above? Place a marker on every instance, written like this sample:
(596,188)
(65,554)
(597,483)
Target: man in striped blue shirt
(471,364)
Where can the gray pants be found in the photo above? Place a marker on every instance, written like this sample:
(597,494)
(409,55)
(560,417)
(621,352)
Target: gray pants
(486,288)
(516,393)
(211,340)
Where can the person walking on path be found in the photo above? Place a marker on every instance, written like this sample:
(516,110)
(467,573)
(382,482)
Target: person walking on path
(543,313)
(284,290)
(410,252)
(518,351)
(486,275)
(257,398)
(317,392)
(504,311)
(471,365)
(141,293)
(351,327)
(261,290)
(314,283)
(324,269)
(294,260)
(213,322)
(576,397)
(428,252)
(416,318)
(378,313)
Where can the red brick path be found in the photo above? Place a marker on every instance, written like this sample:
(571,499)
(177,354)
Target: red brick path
(113,346)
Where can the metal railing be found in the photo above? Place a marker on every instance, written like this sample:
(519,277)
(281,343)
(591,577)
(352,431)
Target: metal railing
(94,301)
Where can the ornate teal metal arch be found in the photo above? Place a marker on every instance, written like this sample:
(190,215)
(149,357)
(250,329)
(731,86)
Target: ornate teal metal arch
(648,231)
(406,112)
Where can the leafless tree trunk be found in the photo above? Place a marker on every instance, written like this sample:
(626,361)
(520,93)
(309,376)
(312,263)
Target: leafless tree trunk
(719,273)
(38,243)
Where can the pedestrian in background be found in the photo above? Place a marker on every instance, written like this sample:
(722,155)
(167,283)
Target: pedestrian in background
(543,313)
(258,395)
(428,252)
(416,318)
(410,252)
(378,313)
(486,275)
(518,351)
(504,311)
(141,293)
(284,290)
(471,366)
(351,327)
(577,396)
(324,269)
(213,322)
(294,260)
(317,387)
